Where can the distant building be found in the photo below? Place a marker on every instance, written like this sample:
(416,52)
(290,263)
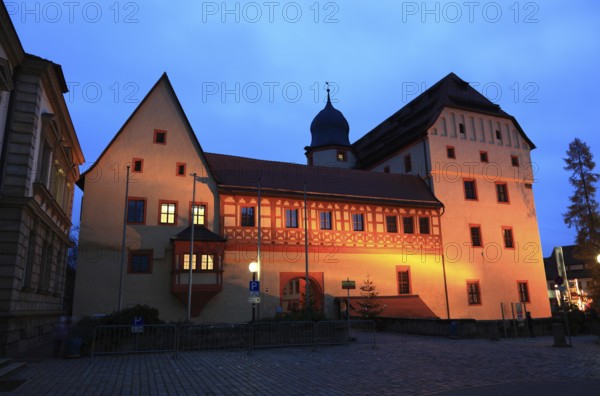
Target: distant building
(578,280)
(435,206)
(39,165)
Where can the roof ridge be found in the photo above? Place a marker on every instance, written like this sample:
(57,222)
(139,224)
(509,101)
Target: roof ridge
(333,168)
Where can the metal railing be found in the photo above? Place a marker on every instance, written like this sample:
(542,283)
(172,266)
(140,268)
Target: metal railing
(124,339)
(121,339)
(212,337)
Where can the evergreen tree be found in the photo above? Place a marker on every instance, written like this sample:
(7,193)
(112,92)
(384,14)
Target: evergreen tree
(583,212)
(369,307)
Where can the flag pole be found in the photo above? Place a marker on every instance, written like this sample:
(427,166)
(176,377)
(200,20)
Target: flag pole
(191,261)
(123,242)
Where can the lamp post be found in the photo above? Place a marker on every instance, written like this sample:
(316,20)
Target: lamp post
(254,267)
(191,261)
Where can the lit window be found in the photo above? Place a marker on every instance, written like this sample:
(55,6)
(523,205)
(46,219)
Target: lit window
(403,282)
(140,262)
(408,225)
(138,165)
(168,213)
(248,216)
(475,236)
(180,169)
(407,164)
(514,160)
(325,220)
(186,262)
(198,214)
(473,293)
(341,156)
(470,189)
(391,224)
(136,212)
(160,137)
(523,292)
(483,156)
(502,192)
(358,222)
(291,218)
(207,262)
(450,152)
(423,225)
(507,235)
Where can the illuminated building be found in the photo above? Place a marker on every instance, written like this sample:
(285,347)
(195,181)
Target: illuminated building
(412,205)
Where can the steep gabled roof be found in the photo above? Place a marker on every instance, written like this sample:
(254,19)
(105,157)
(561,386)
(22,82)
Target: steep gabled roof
(164,78)
(242,175)
(411,122)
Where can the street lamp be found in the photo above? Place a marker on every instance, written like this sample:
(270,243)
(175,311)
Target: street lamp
(254,267)
(598,258)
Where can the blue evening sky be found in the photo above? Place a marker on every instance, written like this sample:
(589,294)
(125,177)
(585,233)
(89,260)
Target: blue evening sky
(250,75)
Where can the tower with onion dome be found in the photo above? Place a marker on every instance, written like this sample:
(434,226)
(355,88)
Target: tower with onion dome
(330,145)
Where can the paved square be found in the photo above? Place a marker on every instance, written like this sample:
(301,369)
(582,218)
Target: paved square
(399,365)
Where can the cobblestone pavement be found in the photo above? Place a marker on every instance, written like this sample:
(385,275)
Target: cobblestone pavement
(399,365)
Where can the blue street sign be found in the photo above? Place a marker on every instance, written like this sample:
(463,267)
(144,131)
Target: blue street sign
(254,286)
(138,325)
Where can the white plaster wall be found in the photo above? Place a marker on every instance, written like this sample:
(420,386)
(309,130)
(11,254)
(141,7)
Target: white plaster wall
(103,209)
(497,268)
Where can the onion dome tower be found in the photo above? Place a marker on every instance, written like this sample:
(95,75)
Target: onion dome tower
(330,145)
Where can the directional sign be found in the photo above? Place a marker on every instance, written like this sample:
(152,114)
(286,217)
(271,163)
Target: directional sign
(348,284)
(254,286)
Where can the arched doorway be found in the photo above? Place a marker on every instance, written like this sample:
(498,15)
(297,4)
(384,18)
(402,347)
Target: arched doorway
(293,294)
